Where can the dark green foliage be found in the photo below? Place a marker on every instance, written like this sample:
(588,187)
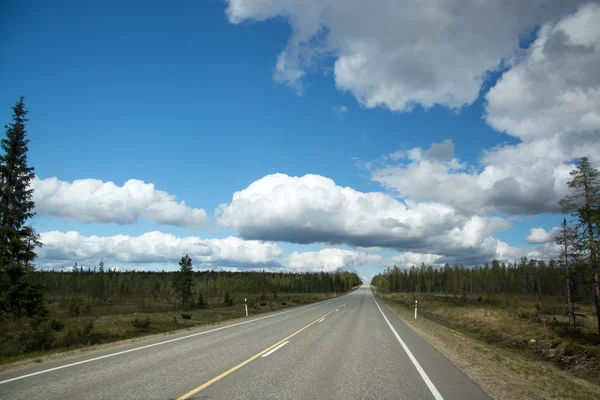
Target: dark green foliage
(186,315)
(525,277)
(17,239)
(228,300)
(74,306)
(79,333)
(56,325)
(141,324)
(184,281)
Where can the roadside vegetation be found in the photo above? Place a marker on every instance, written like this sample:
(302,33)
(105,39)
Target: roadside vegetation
(45,311)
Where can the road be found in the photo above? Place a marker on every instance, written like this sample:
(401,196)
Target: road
(350,347)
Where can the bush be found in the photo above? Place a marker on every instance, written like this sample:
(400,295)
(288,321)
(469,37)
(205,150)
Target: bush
(74,305)
(57,325)
(283,303)
(141,324)
(186,316)
(42,338)
(228,299)
(79,333)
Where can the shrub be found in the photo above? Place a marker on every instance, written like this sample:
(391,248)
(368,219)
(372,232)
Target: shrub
(141,324)
(57,325)
(74,305)
(228,299)
(79,333)
(283,303)
(41,338)
(186,316)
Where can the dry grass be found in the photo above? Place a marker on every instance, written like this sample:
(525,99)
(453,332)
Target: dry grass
(489,343)
(21,340)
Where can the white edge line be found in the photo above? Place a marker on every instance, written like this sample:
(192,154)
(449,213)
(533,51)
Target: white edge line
(150,345)
(275,349)
(322,319)
(428,382)
(337,309)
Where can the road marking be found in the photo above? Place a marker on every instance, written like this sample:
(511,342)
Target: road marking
(322,319)
(337,309)
(248,361)
(275,349)
(151,345)
(428,382)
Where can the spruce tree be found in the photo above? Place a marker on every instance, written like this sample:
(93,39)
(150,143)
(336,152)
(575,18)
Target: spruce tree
(17,239)
(584,203)
(184,281)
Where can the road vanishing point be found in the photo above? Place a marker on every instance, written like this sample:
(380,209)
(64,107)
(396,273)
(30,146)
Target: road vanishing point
(348,347)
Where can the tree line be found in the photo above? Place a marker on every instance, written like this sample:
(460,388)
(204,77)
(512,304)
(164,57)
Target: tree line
(185,288)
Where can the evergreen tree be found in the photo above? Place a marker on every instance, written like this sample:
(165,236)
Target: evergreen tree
(584,203)
(17,239)
(184,281)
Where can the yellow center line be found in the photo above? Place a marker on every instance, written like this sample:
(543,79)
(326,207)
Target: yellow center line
(254,357)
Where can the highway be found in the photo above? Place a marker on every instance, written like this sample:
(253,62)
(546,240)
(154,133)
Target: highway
(349,347)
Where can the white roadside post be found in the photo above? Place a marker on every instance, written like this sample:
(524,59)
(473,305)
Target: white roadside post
(246,306)
(415,309)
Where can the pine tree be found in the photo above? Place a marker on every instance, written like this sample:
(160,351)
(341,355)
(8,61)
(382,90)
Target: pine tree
(584,203)
(184,281)
(17,239)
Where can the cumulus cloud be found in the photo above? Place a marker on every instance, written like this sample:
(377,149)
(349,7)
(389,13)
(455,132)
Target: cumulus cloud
(401,53)
(155,247)
(512,183)
(555,87)
(92,200)
(539,235)
(312,209)
(330,260)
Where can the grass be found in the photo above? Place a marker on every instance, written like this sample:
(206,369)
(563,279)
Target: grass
(69,327)
(490,341)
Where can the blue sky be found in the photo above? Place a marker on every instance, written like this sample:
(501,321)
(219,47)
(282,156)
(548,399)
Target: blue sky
(180,97)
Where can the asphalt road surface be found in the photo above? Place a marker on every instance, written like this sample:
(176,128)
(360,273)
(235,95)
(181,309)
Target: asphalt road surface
(350,347)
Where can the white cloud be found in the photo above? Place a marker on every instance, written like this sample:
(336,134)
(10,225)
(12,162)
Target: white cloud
(409,259)
(513,180)
(330,260)
(539,235)
(555,87)
(312,209)
(340,111)
(92,200)
(401,53)
(156,247)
